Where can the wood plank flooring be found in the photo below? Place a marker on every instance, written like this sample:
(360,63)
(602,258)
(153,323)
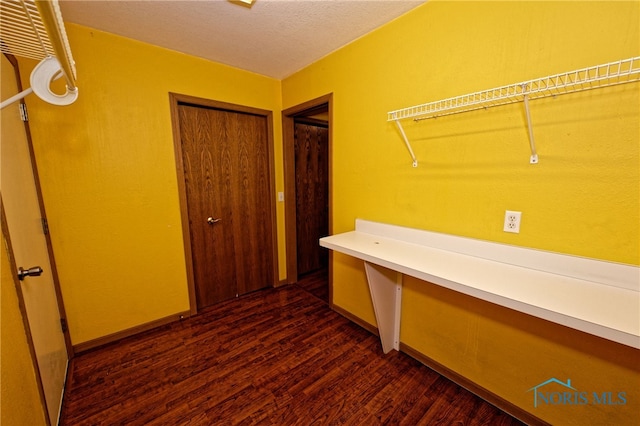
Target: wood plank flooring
(272,357)
(316,283)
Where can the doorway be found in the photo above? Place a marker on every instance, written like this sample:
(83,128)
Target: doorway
(311,141)
(307,167)
(224,156)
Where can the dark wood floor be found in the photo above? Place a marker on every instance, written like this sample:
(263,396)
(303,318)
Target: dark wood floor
(316,283)
(273,357)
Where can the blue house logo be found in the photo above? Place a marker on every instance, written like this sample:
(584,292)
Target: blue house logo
(568,395)
(547,396)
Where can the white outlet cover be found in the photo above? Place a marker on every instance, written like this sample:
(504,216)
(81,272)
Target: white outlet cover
(512,221)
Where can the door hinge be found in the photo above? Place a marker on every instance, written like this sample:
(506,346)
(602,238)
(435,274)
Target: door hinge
(63,325)
(45,226)
(24,116)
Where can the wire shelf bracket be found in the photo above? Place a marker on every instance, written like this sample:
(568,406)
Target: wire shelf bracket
(609,74)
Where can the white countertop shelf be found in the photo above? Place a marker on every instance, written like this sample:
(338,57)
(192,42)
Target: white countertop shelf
(594,296)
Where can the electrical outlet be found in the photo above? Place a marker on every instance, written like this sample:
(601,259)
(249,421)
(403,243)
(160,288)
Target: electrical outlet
(512,221)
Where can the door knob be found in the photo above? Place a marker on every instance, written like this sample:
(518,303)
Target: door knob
(211,220)
(36,271)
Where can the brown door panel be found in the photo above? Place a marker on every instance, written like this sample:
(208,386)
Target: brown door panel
(226,174)
(311,144)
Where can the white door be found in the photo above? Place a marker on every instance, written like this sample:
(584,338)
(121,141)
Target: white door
(24,222)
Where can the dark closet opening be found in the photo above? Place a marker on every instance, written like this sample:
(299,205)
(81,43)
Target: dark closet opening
(307,139)
(312,193)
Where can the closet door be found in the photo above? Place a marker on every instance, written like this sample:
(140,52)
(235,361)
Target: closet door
(39,295)
(311,145)
(226,175)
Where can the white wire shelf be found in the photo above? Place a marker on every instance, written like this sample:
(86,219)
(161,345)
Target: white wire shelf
(34,29)
(22,31)
(609,74)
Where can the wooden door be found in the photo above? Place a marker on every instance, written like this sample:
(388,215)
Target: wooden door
(225,160)
(21,204)
(311,145)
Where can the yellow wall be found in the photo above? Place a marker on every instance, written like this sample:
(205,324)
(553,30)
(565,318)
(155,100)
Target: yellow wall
(110,189)
(108,176)
(583,198)
(20,402)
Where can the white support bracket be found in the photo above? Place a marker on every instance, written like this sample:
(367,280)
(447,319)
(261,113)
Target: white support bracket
(406,141)
(386,294)
(15,98)
(532,141)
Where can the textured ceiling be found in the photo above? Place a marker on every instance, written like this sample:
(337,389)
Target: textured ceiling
(274,38)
